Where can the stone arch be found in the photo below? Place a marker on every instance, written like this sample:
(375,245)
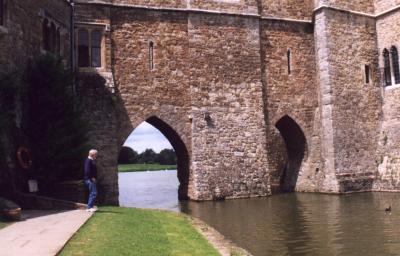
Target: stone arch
(181,151)
(296,151)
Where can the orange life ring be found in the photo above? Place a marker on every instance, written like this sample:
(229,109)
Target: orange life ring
(24,158)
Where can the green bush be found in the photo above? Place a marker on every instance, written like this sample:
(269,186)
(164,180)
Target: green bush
(54,124)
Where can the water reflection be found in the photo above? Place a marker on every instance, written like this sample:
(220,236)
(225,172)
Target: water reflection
(307,224)
(157,190)
(288,224)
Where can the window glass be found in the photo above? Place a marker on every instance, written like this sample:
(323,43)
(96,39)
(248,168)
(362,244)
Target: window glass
(151,55)
(387,72)
(83,48)
(367,73)
(96,48)
(52,37)
(46,35)
(395,63)
(58,41)
(2,10)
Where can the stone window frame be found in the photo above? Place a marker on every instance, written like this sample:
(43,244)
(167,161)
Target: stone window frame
(90,28)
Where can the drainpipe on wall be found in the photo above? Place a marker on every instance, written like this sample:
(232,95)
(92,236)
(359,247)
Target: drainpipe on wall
(72,46)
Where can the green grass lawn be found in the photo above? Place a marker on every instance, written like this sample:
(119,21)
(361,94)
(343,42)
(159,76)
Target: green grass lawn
(144,167)
(127,231)
(4,223)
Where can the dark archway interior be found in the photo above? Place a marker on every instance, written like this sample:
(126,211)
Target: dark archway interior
(181,151)
(295,147)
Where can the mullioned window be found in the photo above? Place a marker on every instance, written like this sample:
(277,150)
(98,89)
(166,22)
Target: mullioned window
(89,43)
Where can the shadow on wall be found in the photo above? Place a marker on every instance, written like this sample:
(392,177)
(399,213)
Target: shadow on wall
(111,124)
(296,146)
(105,112)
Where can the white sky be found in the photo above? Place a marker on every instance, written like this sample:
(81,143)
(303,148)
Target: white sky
(146,136)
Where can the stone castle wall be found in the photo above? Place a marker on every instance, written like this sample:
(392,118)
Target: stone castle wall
(21,36)
(384,5)
(350,106)
(220,86)
(227,6)
(294,94)
(187,83)
(388,157)
(249,92)
(229,151)
(364,6)
(288,9)
(20,42)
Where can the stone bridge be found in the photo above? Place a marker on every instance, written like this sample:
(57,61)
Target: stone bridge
(253,95)
(217,86)
(256,96)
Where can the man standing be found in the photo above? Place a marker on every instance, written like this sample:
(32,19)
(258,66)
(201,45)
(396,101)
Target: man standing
(90,177)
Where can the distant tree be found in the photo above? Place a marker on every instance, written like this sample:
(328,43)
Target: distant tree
(166,156)
(128,156)
(148,156)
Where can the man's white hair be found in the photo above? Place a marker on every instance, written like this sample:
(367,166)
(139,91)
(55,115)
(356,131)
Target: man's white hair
(92,152)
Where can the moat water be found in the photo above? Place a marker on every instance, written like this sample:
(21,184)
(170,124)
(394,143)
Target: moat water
(288,224)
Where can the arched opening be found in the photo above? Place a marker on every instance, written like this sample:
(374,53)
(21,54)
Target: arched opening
(296,146)
(181,151)
(153,142)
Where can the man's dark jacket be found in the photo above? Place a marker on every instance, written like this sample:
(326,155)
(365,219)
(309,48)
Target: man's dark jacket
(90,169)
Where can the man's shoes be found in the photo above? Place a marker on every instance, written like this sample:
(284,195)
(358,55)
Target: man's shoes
(93,209)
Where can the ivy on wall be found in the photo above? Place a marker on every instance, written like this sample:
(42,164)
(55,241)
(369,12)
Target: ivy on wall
(8,92)
(54,125)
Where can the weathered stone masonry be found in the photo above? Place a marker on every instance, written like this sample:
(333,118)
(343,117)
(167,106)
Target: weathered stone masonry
(20,42)
(256,97)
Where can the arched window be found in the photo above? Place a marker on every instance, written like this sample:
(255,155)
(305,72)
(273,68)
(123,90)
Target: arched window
(58,41)
(53,37)
(83,48)
(2,13)
(395,63)
(387,72)
(96,48)
(46,35)
(151,55)
(289,62)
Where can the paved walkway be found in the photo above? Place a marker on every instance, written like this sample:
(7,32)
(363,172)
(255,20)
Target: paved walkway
(41,233)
